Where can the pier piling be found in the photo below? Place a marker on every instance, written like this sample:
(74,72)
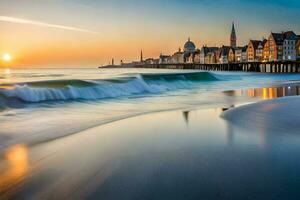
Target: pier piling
(264,67)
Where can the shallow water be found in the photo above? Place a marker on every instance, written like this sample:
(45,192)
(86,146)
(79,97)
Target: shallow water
(190,154)
(44,104)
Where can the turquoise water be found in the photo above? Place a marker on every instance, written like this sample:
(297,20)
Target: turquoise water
(42,104)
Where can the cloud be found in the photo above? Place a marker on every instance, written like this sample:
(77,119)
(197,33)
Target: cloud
(38,23)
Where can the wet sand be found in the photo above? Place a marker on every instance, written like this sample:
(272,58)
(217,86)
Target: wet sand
(190,154)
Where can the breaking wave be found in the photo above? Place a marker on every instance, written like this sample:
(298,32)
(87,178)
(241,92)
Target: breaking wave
(63,90)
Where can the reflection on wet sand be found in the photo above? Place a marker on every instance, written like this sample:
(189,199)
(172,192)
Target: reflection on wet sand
(186,117)
(209,159)
(230,135)
(268,92)
(13,168)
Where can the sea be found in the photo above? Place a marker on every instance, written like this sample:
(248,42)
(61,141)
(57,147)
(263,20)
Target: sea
(38,105)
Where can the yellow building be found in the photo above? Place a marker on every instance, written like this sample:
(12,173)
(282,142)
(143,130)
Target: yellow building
(266,52)
(255,50)
(231,55)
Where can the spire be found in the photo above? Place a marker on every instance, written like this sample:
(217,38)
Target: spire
(233,36)
(142,59)
(233,28)
(189,39)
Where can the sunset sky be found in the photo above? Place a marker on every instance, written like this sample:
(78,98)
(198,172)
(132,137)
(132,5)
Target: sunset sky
(88,33)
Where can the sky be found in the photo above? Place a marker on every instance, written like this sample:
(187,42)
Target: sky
(89,33)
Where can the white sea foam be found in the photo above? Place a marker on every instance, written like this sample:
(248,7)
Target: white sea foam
(33,94)
(89,90)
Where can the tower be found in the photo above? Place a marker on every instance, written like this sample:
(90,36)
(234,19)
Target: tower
(142,59)
(233,36)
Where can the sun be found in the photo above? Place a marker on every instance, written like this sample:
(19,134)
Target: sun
(6,57)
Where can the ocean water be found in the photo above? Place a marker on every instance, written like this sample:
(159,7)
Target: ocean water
(44,104)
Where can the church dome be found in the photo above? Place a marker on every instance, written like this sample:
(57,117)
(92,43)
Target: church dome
(189,46)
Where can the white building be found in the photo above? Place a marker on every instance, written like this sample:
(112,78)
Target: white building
(289,46)
(178,57)
(260,50)
(163,59)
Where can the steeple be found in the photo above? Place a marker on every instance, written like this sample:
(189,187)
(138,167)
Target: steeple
(233,36)
(142,59)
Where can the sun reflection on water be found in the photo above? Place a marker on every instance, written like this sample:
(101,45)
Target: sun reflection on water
(14,168)
(7,71)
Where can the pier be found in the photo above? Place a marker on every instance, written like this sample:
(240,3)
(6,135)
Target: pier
(264,67)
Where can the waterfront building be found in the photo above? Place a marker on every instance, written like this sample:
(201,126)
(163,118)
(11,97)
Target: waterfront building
(218,55)
(163,59)
(244,54)
(255,50)
(178,57)
(223,54)
(213,57)
(238,54)
(289,46)
(186,56)
(149,61)
(196,56)
(156,61)
(208,54)
(275,46)
(233,36)
(266,52)
(203,52)
(260,51)
(210,58)
(298,47)
(189,58)
(231,55)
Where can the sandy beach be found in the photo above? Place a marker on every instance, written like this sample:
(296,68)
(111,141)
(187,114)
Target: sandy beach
(187,154)
(149,135)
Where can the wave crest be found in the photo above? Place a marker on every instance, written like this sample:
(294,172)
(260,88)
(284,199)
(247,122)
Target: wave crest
(62,90)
